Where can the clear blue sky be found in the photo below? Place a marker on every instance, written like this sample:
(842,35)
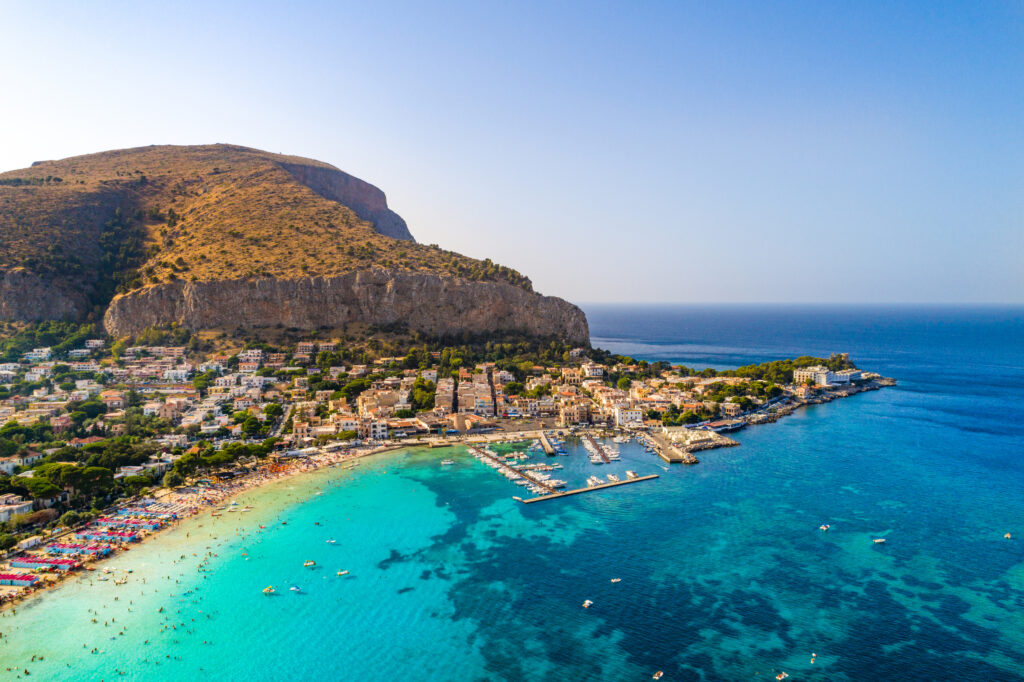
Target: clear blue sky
(634,151)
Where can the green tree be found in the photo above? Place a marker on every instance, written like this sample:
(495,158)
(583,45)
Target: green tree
(251,426)
(40,488)
(423,394)
(354,388)
(135,484)
(173,479)
(624,383)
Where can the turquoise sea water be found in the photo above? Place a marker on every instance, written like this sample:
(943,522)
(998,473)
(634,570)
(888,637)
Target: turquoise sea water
(724,573)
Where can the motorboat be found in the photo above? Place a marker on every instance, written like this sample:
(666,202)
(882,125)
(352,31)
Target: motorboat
(269,589)
(878,541)
(309,563)
(587,604)
(446,462)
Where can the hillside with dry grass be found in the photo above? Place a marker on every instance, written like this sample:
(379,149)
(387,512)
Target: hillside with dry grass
(124,220)
(226,237)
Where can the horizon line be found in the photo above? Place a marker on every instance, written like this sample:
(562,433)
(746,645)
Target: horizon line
(979,304)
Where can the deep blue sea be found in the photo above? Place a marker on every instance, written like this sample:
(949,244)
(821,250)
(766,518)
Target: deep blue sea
(724,573)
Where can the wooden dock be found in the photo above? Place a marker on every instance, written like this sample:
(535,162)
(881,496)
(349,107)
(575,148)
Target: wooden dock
(525,474)
(598,449)
(577,491)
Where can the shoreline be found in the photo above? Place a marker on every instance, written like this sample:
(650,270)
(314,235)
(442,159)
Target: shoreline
(199,499)
(209,500)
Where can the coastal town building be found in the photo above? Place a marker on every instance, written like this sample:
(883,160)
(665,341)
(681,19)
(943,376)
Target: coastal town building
(11,504)
(819,375)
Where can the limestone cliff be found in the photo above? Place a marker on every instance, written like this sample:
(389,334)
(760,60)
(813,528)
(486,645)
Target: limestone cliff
(428,303)
(25,296)
(365,200)
(226,236)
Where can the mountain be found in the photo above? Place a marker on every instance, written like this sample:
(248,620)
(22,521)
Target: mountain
(221,236)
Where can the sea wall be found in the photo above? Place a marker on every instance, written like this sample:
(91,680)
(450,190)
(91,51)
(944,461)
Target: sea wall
(427,303)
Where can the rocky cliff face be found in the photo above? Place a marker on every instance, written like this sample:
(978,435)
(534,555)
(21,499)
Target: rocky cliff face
(428,303)
(368,202)
(25,296)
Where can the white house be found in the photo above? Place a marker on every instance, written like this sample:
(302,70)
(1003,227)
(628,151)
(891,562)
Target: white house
(628,416)
(11,504)
(822,376)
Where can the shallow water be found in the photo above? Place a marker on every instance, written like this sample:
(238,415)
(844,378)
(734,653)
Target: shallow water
(724,573)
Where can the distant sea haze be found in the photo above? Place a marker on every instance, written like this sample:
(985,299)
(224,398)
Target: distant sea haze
(726,335)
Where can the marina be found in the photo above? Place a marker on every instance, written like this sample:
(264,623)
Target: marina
(595,448)
(546,444)
(517,467)
(600,486)
(533,480)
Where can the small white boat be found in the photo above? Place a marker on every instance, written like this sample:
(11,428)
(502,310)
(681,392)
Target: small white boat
(331,542)
(878,541)
(616,580)
(446,462)
(294,588)
(587,604)
(824,526)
